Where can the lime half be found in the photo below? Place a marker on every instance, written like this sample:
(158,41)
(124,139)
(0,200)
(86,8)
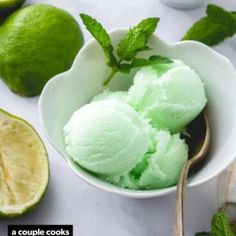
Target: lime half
(24,168)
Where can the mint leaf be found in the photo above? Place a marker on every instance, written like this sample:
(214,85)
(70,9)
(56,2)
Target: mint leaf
(103,38)
(139,62)
(136,39)
(220,225)
(221,16)
(208,32)
(218,25)
(234,14)
(134,42)
(148,26)
(202,234)
(125,67)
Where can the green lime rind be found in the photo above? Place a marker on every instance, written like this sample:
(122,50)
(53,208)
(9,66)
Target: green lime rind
(41,194)
(25,211)
(36,43)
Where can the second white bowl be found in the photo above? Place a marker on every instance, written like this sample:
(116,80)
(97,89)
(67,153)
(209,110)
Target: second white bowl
(184,4)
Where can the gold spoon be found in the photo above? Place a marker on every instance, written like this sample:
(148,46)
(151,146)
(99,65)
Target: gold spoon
(199,131)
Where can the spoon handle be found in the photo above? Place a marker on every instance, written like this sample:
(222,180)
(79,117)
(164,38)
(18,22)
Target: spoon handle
(179,209)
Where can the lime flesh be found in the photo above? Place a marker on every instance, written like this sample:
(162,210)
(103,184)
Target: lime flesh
(24,168)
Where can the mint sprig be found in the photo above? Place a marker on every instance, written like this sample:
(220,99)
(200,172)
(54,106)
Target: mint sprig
(215,27)
(133,42)
(220,225)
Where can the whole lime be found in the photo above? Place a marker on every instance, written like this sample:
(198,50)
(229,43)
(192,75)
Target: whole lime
(8,6)
(36,43)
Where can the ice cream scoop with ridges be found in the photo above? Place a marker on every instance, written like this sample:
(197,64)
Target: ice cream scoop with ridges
(107,137)
(170,100)
(164,166)
(159,169)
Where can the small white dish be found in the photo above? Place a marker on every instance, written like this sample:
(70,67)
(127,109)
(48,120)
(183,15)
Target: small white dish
(67,92)
(184,4)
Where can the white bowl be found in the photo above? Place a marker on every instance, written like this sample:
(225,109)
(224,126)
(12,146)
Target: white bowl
(67,92)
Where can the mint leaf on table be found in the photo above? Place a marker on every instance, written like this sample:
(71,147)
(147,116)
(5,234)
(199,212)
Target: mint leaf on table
(221,16)
(220,225)
(136,39)
(102,37)
(208,32)
(218,25)
(133,42)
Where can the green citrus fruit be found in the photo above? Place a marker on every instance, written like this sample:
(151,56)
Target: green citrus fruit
(36,43)
(24,168)
(8,6)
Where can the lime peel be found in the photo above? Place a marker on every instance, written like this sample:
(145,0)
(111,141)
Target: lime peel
(37,42)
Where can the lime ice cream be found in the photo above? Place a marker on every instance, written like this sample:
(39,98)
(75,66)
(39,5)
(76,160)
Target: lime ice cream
(131,139)
(158,169)
(107,137)
(169,99)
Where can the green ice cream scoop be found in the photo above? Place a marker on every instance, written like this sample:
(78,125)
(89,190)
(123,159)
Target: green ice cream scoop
(165,165)
(107,137)
(159,169)
(171,98)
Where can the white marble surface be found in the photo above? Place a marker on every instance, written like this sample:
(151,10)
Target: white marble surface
(92,211)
